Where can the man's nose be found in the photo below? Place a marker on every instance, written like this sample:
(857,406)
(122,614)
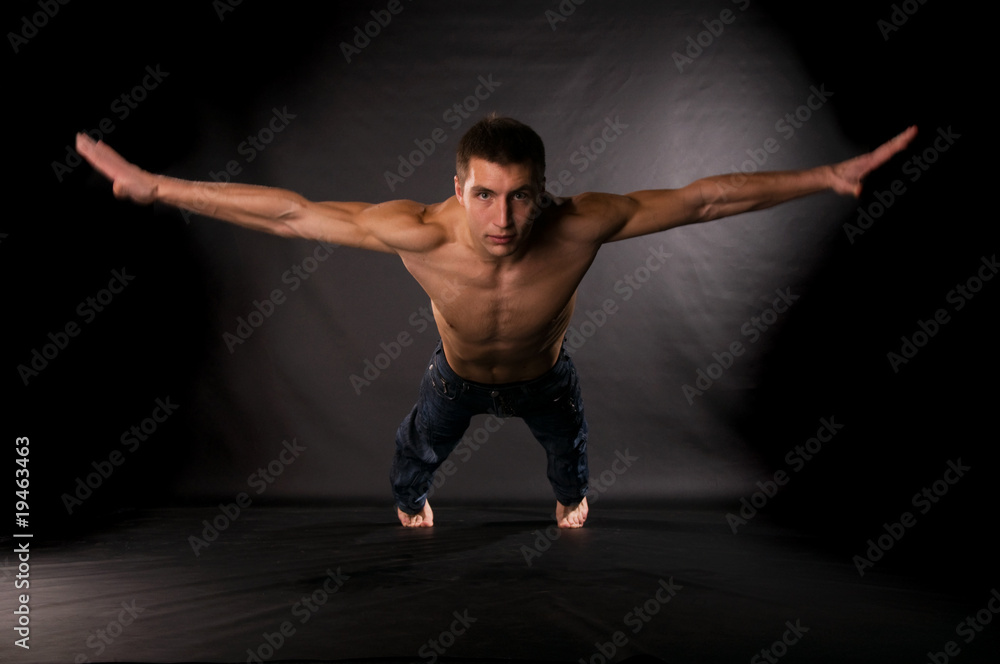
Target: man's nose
(505,217)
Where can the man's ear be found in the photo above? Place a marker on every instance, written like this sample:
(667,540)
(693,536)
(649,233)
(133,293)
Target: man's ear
(458,190)
(541,193)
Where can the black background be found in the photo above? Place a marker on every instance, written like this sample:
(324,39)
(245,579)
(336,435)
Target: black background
(162,337)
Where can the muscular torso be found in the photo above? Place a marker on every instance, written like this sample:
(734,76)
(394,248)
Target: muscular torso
(502,322)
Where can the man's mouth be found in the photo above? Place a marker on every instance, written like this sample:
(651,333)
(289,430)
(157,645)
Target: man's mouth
(501,239)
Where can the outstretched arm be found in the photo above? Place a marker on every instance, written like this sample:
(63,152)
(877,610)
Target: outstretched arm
(645,212)
(268,209)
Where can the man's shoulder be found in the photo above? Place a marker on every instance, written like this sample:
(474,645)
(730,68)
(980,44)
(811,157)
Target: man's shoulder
(583,216)
(585,204)
(412,226)
(402,212)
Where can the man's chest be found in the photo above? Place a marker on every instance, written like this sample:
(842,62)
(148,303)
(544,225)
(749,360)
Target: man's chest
(482,302)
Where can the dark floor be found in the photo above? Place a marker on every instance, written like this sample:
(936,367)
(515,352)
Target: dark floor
(348,584)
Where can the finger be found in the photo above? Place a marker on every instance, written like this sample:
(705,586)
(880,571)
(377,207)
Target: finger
(907,134)
(903,139)
(86,147)
(885,151)
(83,142)
(119,190)
(101,156)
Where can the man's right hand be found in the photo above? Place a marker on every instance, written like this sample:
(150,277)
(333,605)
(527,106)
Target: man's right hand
(128,180)
(388,227)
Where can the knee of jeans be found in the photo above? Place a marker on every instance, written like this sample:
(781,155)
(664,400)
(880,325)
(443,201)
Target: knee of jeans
(572,403)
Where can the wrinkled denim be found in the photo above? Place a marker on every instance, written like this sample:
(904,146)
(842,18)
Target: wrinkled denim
(550,405)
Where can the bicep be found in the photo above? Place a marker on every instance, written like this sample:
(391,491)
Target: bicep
(376,227)
(652,211)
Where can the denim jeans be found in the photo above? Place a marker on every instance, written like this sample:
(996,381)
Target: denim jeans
(550,405)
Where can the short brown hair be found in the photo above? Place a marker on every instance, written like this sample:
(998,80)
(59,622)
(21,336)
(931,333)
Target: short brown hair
(501,141)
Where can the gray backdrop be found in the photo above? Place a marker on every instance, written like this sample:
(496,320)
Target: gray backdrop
(628,96)
(604,72)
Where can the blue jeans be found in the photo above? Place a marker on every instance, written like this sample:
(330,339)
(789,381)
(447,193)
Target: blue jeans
(550,405)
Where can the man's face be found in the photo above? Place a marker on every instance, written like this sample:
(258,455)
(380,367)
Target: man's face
(499,202)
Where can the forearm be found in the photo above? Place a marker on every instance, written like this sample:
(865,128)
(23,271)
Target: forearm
(653,211)
(726,195)
(265,209)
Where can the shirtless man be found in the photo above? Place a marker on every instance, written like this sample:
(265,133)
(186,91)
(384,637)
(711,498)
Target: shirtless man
(516,255)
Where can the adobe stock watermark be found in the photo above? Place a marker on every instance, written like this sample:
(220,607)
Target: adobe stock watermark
(753,329)
(44,355)
(454,116)
(132,439)
(599,485)
(786,126)
(22,581)
(796,459)
(439,645)
(582,158)
(577,335)
(121,107)
(562,12)
(636,619)
(32,23)
(898,17)
(698,43)
(471,443)
(924,500)
(375,366)
(224,7)
(100,639)
(588,152)
(544,538)
(958,297)
(420,320)
(792,635)
(248,149)
(914,167)
(363,35)
(968,629)
(304,609)
(262,310)
(259,480)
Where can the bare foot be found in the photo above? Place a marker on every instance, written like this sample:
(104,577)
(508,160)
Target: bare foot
(571,516)
(422,519)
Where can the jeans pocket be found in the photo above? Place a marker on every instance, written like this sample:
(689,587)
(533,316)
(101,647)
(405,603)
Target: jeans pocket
(560,400)
(571,403)
(441,387)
